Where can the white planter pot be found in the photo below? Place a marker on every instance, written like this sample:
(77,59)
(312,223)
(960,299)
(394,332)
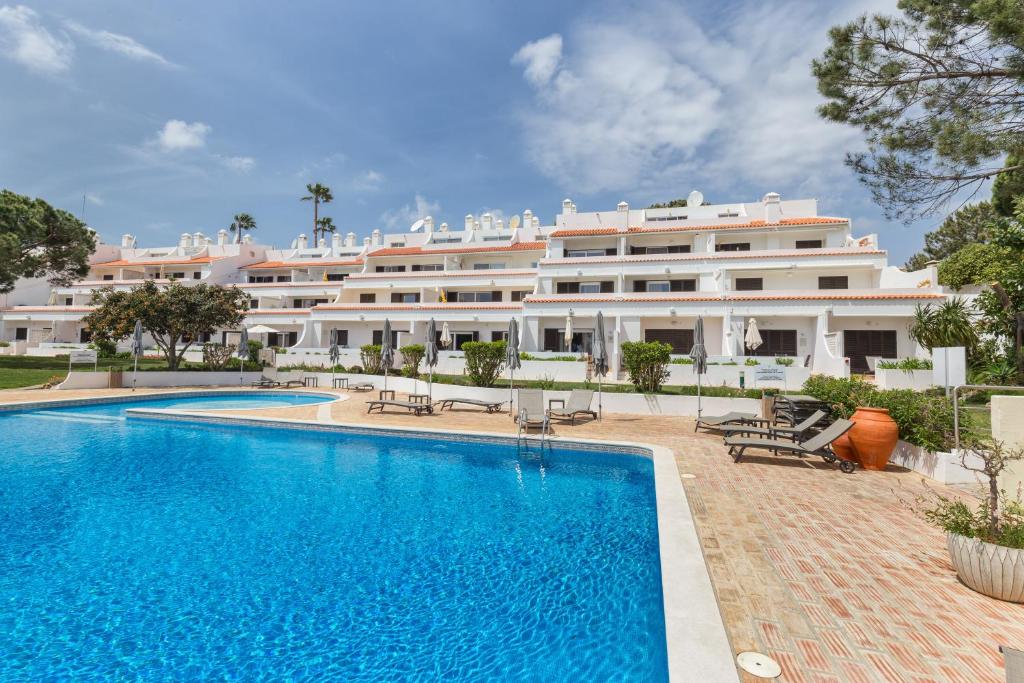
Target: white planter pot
(992,570)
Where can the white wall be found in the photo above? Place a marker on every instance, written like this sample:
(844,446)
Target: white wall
(190,378)
(1008,427)
(918,380)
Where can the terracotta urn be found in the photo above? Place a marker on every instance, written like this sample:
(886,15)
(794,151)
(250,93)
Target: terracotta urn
(873,437)
(844,449)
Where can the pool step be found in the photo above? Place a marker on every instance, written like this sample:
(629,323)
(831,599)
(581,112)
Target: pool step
(74,417)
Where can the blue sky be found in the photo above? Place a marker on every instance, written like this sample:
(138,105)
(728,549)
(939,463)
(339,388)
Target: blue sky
(171,117)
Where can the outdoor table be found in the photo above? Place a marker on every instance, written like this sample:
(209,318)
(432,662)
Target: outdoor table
(310,381)
(419,398)
(340,382)
(386,395)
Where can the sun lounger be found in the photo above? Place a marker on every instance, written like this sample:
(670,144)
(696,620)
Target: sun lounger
(490,406)
(727,419)
(411,406)
(578,404)
(820,445)
(531,410)
(773,430)
(265,383)
(361,386)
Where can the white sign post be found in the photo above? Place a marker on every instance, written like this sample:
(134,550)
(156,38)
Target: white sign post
(949,367)
(83,356)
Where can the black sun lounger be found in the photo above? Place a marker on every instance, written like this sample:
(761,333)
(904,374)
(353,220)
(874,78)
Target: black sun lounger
(411,406)
(727,419)
(773,430)
(490,406)
(820,445)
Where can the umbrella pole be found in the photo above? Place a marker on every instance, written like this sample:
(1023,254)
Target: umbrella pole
(135,373)
(600,395)
(698,395)
(430,385)
(511,388)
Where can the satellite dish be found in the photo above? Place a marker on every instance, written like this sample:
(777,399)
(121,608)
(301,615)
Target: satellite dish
(514,222)
(695,199)
(417,225)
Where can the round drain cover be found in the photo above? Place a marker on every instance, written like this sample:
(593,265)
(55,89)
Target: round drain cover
(759,665)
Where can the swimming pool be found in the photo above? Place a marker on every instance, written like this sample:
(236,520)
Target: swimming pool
(148,549)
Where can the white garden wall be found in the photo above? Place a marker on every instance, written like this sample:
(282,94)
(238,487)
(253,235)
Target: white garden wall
(78,379)
(918,380)
(942,467)
(188,378)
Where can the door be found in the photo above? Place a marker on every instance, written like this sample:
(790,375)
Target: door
(859,344)
(775,343)
(460,338)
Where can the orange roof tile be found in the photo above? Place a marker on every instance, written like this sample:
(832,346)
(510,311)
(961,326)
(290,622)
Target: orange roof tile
(300,264)
(712,297)
(420,251)
(638,230)
(174,262)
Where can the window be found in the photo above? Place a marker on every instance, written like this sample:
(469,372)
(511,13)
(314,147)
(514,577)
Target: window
(665,285)
(427,266)
(667,249)
(478,297)
(69,301)
(460,338)
(307,303)
(499,335)
(748,284)
(605,286)
(84,336)
(336,277)
(177,276)
(666,218)
(284,278)
(445,240)
(108,277)
(833,282)
(733,246)
(282,338)
(590,288)
(340,337)
(680,340)
(254,303)
(808,244)
(261,278)
(520,295)
(405,297)
(368,298)
(488,266)
(775,343)
(589,253)
(20,333)
(390,269)
(859,344)
(378,337)
(730,213)
(197,275)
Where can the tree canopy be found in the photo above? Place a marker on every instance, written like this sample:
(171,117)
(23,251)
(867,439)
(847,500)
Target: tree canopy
(674,204)
(938,93)
(172,315)
(970,224)
(318,194)
(37,240)
(243,222)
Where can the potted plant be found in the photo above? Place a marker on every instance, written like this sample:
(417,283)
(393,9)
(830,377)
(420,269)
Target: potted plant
(986,542)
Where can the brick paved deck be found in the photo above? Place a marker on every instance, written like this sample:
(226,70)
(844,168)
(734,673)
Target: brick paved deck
(826,572)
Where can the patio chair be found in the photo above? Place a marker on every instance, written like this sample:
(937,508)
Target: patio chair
(792,433)
(578,404)
(490,406)
(361,386)
(1013,661)
(265,383)
(718,422)
(411,406)
(820,445)
(531,413)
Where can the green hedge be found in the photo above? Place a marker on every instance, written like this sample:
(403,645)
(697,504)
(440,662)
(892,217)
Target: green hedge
(647,364)
(924,418)
(484,361)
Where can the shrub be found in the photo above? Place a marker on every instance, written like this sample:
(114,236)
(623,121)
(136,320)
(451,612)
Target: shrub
(546,383)
(685,360)
(355,370)
(730,362)
(369,354)
(924,419)
(999,519)
(751,362)
(4,344)
(105,348)
(647,364)
(412,355)
(216,356)
(1002,372)
(484,361)
(784,361)
(254,351)
(905,364)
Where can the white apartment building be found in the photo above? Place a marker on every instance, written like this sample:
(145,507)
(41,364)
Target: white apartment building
(819,294)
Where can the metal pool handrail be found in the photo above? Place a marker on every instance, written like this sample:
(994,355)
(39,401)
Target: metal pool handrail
(956,411)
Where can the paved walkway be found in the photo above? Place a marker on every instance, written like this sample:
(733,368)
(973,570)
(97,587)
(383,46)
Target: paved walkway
(827,573)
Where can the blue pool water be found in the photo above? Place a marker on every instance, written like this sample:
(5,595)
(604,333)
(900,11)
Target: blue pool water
(149,550)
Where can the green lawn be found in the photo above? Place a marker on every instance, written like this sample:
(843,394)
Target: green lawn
(27,371)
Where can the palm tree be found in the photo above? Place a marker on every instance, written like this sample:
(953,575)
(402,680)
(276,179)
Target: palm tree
(318,194)
(326,225)
(243,222)
(951,323)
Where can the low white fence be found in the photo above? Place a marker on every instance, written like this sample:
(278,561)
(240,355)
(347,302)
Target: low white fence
(729,376)
(81,379)
(918,380)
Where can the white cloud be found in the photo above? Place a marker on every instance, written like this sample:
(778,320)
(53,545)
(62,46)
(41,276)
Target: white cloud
(240,164)
(541,58)
(368,180)
(403,217)
(178,135)
(624,109)
(94,199)
(23,39)
(115,42)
